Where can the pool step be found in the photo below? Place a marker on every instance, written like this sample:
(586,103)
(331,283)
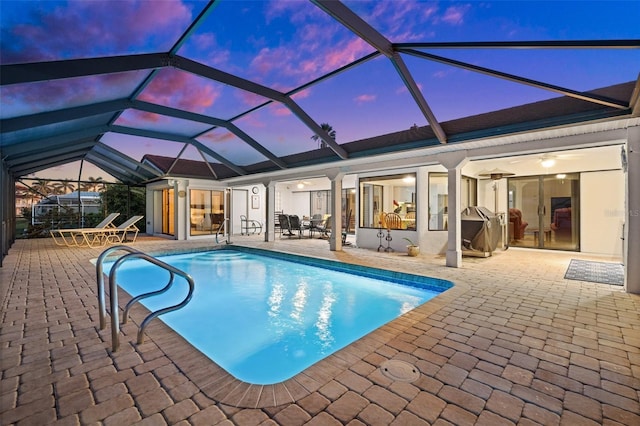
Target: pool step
(219,256)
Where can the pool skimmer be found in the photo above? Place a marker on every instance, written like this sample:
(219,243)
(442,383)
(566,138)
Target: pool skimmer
(401,371)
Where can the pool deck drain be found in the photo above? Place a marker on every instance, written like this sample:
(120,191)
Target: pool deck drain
(400,371)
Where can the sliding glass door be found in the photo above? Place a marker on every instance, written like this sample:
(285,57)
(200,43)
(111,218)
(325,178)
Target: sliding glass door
(544,211)
(168,212)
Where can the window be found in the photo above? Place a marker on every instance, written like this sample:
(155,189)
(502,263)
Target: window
(439,198)
(438,201)
(206,212)
(319,202)
(388,194)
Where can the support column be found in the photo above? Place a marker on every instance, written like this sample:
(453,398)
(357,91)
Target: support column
(181,210)
(230,213)
(335,240)
(454,161)
(422,206)
(632,220)
(270,230)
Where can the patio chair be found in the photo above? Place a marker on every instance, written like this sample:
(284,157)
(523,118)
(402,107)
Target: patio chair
(285,227)
(345,232)
(276,222)
(78,236)
(314,222)
(296,225)
(324,227)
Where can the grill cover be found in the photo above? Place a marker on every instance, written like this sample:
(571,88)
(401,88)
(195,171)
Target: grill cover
(480,230)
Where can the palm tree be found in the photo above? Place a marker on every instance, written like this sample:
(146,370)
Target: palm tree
(42,187)
(94,184)
(327,128)
(65,186)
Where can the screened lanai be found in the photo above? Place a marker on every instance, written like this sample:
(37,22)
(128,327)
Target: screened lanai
(256,89)
(219,81)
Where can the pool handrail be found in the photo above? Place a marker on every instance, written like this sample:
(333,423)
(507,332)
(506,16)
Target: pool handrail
(223,227)
(102,310)
(113,292)
(113,295)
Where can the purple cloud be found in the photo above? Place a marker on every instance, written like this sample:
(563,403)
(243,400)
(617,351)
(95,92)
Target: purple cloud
(58,94)
(181,90)
(217,135)
(454,15)
(93,28)
(364,98)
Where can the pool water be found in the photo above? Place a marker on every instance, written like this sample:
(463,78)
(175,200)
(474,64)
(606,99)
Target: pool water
(265,319)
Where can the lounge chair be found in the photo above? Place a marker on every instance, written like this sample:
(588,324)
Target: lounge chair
(117,235)
(78,236)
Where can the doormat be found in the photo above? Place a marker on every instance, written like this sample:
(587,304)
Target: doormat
(595,272)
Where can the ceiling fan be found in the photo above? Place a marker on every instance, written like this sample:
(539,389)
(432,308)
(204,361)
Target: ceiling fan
(547,160)
(302,183)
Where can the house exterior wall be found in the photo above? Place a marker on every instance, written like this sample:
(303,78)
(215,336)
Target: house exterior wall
(181,201)
(602,212)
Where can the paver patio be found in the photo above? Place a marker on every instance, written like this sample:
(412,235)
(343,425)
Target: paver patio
(512,343)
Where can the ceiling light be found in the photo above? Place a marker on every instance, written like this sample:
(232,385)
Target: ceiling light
(548,162)
(409,179)
(561,175)
(300,185)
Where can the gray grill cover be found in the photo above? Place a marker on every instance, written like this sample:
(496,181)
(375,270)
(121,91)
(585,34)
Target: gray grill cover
(480,229)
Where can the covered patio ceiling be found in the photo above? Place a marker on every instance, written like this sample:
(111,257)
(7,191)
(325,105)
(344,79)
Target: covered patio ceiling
(249,87)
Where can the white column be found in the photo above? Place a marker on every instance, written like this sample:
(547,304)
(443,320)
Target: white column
(182,218)
(270,230)
(230,214)
(454,242)
(335,240)
(632,221)
(454,161)
(422,206)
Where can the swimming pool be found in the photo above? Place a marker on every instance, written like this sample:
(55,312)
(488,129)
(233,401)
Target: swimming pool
(266,316)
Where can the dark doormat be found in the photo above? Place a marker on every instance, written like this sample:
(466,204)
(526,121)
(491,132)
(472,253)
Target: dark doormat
(595,272)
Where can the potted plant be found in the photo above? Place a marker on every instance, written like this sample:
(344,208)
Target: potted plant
(413,249)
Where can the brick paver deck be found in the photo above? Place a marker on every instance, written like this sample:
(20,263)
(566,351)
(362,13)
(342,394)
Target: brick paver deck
(512,343)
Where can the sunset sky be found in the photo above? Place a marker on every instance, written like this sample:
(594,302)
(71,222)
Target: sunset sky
(285,44)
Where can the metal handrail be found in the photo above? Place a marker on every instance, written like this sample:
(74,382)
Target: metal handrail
(113,292)
(102,310)
(223,226)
